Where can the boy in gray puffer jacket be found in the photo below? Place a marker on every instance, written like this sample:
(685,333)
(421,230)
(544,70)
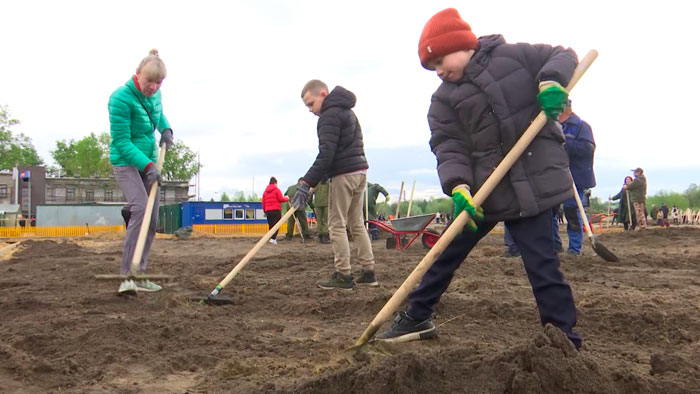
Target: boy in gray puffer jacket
(491,92)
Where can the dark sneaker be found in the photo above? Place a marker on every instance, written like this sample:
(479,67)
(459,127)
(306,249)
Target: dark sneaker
(405,329)
(337,281)
(367,278)
(511,254)
(573,253)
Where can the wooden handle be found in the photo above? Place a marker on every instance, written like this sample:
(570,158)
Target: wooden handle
(398,202)
(143,231)
(296,220)
(629,210)
(586,225)
(255,249)
(410,202)
(461,220)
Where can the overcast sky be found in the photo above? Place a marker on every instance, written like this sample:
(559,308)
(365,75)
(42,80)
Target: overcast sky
(236,69)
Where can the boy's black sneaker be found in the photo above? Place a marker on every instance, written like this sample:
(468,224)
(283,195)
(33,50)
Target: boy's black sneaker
(337,281)
(367,278)
(405,329)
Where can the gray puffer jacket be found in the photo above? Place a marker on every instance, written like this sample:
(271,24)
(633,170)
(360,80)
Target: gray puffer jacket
(475,123)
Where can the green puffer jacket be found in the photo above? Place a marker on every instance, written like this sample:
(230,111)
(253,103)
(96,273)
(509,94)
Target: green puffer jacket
(132,142)
(321,194)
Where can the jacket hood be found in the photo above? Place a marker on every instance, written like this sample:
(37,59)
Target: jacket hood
(339,97)
(482,53)
(270,187)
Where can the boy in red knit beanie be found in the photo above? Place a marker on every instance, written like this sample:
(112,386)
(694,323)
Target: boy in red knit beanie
(490,93)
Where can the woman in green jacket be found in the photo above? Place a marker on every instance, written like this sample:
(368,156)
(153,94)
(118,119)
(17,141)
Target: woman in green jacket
(623,211)
(135,112)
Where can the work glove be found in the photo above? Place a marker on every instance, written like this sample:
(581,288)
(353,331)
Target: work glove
(386,199)
(462,199)
(166,137)
(151,175)
(552,98)
(301,196)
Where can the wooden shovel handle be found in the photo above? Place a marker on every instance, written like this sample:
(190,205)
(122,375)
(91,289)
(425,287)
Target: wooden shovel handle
(255,249)
(629,209)
(143,231)
(461,220)
(586,225)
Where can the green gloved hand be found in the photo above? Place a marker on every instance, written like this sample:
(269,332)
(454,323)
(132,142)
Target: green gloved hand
(386,199)
(552,98)
(462,199)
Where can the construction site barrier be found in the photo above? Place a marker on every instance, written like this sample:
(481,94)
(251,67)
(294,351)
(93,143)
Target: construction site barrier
(62,231)
(258,228)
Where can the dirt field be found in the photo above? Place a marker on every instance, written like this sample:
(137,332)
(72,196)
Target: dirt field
(62,331)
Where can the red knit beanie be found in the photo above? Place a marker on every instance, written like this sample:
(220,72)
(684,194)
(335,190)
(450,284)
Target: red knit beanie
(446,32)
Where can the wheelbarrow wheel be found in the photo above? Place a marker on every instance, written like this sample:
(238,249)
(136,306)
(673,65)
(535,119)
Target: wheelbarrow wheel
(430,238)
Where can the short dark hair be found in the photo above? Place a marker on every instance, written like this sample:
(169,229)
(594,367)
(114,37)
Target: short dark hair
(273,180)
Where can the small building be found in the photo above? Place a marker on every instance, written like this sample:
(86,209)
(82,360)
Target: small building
(90,214)
(10,214)
(205,212)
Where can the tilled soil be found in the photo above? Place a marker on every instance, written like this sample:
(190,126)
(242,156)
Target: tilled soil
(63,331)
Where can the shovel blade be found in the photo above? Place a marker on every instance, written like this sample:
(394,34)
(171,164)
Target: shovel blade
(603,252)
(213,300)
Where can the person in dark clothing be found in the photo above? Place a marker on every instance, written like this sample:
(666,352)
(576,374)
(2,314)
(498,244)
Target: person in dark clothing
(341,157)
(490,93)
(272,200)
(638,194)
(625,215)
(373,190)
(664,212)
(299,215)
(580,147)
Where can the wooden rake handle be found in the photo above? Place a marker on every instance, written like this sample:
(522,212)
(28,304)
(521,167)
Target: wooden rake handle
(582,211)
(255,249)
(461,220)
(143,231)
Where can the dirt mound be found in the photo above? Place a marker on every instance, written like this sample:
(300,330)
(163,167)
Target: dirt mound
(548,363)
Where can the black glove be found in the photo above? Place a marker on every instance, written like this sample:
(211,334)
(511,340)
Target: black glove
(301,196)
(151,175)
(166,137)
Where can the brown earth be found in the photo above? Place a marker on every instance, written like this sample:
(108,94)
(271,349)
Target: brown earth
(63,331)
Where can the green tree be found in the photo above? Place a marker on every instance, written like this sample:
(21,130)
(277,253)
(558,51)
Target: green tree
(692,194)
(15,149)
(225,197)
(597,206)
(239,196)
(253,198)
(87,157)
(180,163)
(670,198)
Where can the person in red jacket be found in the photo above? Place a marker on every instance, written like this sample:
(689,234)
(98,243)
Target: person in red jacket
(272,200)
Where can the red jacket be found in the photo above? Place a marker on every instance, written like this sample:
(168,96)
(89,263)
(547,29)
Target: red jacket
(272,198)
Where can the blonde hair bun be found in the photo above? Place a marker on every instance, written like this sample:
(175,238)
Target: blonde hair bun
(153,52)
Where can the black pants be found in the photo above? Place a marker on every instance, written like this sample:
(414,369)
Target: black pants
(272,218)
(533,236)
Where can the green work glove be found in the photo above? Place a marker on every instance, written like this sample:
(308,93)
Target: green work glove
(552,98)
(462,199)
(386,199)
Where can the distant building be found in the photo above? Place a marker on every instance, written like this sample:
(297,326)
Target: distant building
(68,190)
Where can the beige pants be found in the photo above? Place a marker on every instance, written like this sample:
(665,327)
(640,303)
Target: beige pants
(345,211)
(639,210)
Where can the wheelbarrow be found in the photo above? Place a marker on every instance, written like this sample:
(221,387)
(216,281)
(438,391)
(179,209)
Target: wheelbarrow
(403,228)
